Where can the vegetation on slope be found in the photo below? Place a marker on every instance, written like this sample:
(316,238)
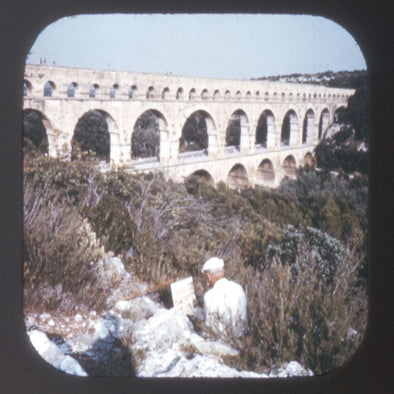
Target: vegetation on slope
(298,251)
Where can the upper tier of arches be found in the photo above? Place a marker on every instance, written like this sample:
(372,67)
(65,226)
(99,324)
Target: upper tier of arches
(133,92)
(63,82)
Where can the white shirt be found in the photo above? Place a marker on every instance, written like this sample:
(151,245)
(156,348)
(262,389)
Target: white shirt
(225,308)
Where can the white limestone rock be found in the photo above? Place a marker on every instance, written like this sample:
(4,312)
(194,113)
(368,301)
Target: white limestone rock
(206,366)
(53,355)
(293,368)
(137,309)
(215,348)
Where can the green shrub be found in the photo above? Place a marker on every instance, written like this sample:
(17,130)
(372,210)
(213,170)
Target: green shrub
(70,179)
(304,304)
(331,157)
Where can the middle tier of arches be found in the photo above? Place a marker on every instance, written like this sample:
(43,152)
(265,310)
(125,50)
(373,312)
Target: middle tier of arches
(222,133)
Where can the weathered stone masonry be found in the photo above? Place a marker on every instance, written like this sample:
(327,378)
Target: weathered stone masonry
(124,96)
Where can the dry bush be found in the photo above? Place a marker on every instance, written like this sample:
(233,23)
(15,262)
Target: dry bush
(167,232)
(60,252)
(113,224)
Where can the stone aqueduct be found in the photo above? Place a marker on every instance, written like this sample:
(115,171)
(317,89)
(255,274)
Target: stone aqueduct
(63,95)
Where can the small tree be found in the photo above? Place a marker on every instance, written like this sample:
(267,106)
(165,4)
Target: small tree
(91,135)
(233,132)
(194,134)
(145,140)
(356,113)
(34,132)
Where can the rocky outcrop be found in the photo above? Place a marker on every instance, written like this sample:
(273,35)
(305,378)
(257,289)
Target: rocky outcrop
(135,337)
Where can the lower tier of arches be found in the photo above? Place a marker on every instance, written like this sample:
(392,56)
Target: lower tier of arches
(266,170)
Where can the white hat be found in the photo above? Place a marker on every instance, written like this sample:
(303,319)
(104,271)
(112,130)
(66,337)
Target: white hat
(213,264)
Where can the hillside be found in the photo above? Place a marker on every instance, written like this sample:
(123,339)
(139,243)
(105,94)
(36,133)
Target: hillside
(341,79)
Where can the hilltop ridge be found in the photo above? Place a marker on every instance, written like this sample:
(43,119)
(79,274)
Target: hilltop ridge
(340,79)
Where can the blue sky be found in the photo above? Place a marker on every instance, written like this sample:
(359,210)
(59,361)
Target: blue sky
(209,45)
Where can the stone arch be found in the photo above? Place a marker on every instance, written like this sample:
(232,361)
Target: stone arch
(113,89)
(265,129)
(289,166)
(308,126)
(49,87)
(289,130)
(227,95)
(216,95)
(283,96)
(248,94)
(132,91)
(149,135)
(324,123)
(166,94)
(71,88)
(27,88)
(338,111)
(238,95)
(93,90)
(179,94)
(35,130)
(237,177)
(309,160)
(150,92)
(266,96)
(198,133)
(192,94)
(257,94)
(237,127)
(93,133)
(204,94)
(265,175)
(204,176)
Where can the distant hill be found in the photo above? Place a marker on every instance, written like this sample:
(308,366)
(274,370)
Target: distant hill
(341,79)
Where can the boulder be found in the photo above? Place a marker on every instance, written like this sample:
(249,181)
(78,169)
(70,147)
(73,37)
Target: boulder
(53,355)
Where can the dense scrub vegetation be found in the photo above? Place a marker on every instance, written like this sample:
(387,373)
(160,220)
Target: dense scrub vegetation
(298,251)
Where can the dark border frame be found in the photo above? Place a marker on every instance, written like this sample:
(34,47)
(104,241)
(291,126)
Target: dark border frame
(369,371)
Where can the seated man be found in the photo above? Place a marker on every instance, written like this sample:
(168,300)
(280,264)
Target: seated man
(225,303)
